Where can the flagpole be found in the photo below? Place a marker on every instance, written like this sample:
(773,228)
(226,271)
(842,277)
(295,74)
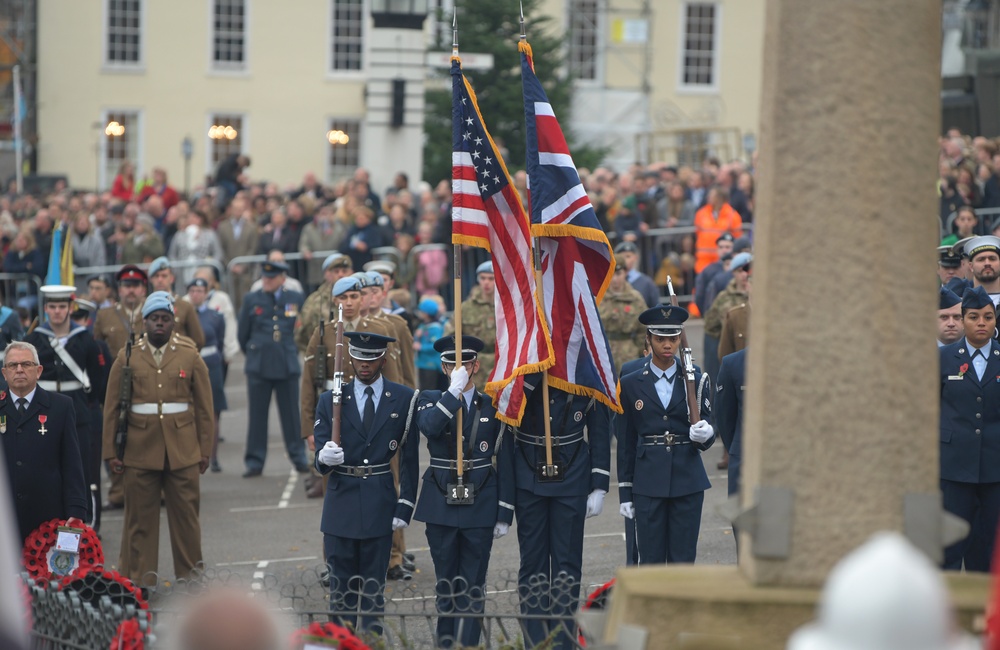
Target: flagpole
(459,356)
(549,470)
(18,121)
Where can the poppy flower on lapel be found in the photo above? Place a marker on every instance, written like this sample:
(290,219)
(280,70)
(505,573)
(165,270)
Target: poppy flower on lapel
(3,394)
(183,374)
(963,369)
(258,310)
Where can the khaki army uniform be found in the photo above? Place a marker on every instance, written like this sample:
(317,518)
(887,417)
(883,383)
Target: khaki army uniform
(479,319)
(620,315)
(735,330)
(113,324)
(727,299)
(404,343)
(170,430)
(315,308)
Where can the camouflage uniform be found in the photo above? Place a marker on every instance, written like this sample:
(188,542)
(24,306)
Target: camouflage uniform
(479,319)
(727,299)
(316,307)
(620,315)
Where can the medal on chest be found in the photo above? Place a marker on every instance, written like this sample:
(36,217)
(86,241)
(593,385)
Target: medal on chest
(42,419)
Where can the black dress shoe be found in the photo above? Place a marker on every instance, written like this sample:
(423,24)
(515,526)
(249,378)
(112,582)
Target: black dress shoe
(215,466)
(410,556)
(314,487)
(409,565)
(111,505)
(251,473)
(398,573)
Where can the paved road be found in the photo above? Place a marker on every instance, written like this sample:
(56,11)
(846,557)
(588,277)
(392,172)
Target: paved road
(267,526)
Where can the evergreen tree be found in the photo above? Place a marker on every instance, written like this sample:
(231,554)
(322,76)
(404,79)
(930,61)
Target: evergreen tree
(493,27)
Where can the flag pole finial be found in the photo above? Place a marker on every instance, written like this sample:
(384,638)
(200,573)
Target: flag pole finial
(524,36)
(454,33)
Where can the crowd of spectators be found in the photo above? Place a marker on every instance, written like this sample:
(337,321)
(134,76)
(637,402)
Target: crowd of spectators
(969,178)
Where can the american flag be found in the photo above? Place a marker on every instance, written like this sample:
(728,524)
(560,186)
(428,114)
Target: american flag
(577,263)
(487,212)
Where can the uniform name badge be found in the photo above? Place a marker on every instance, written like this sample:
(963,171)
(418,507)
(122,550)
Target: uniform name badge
(64,557)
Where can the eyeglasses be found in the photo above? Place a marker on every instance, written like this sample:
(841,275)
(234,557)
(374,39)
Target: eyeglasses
(22,364)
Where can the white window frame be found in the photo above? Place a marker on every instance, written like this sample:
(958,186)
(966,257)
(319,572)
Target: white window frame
(219,68)
(106,178)
(357,136)
(599,45)
(244,135)
(361,73)
(699,89)
(439,32)
(108,65)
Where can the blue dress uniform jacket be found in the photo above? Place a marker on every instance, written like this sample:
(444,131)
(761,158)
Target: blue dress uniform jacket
(659,470)
(970,416)
(359,507)
(586,456)
(45,470)
(729,412)
(261,317)
(631,366)
(494,485)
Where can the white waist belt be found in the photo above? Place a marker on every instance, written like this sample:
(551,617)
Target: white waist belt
(167,408)
(61,385)
(209,350)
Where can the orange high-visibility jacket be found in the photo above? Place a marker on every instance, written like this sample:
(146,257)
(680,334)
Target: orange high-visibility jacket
(709,228)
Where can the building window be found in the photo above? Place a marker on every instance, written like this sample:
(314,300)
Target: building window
(347,38)
(121,143)
(229,34)
(225,137)
(583,39)
(124,32)
(345,150)
(441,25)
(700,45)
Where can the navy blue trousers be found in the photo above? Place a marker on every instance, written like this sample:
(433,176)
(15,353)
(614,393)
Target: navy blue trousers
(550,537)
(461,557)
(666,529)
(286,391)
(978,504)
(357,579)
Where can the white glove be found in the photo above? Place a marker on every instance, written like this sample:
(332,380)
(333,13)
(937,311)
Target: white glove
(331,454)
(595,502)
(459,380)
(500,530)
(398,523)
(626,510)
(701,432)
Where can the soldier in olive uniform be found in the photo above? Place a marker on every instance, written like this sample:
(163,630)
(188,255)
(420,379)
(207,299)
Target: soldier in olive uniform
(479,319)
(161,278)
(400,329)
(620,314)
(317,306)
(170,430)
(736,293)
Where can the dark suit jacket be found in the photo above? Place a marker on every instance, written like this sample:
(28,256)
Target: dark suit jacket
(970,417)
(494,486)
(260,317)
(729,412)
(45,470)
(364,507)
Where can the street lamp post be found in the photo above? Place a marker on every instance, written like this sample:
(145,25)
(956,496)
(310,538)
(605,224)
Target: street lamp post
(187,149)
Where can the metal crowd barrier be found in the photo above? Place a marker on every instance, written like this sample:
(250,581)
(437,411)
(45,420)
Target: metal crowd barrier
(20,290)
(982,213)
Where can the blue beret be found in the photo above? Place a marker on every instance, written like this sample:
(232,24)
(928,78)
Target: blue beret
(330,259)
(375,279)
(976,298)
(156,301)
(948,298)
(485,267)
(362,279)
(741,260)
(158,265)
(343,285)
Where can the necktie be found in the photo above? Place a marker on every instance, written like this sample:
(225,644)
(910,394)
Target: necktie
(22,405)
(369,417)
(158,356)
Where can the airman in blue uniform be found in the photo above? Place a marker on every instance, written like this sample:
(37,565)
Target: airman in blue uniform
(551,509)
(266,335)
(461,527)
(631,552)
(729,412)
(970,432)
(661,477)
(361,508)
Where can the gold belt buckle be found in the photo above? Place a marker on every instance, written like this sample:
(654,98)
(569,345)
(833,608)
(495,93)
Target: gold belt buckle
(669,438)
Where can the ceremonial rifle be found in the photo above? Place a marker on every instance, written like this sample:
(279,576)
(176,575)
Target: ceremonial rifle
(338,374)
(319,376)
(124,403)
(688,366)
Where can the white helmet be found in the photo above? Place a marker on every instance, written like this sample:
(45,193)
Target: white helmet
(884,595)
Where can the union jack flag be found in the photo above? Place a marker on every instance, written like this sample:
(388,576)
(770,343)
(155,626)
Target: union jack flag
(577,262)
(487,212)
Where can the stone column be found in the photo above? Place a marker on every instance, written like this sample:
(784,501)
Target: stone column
(841,429)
